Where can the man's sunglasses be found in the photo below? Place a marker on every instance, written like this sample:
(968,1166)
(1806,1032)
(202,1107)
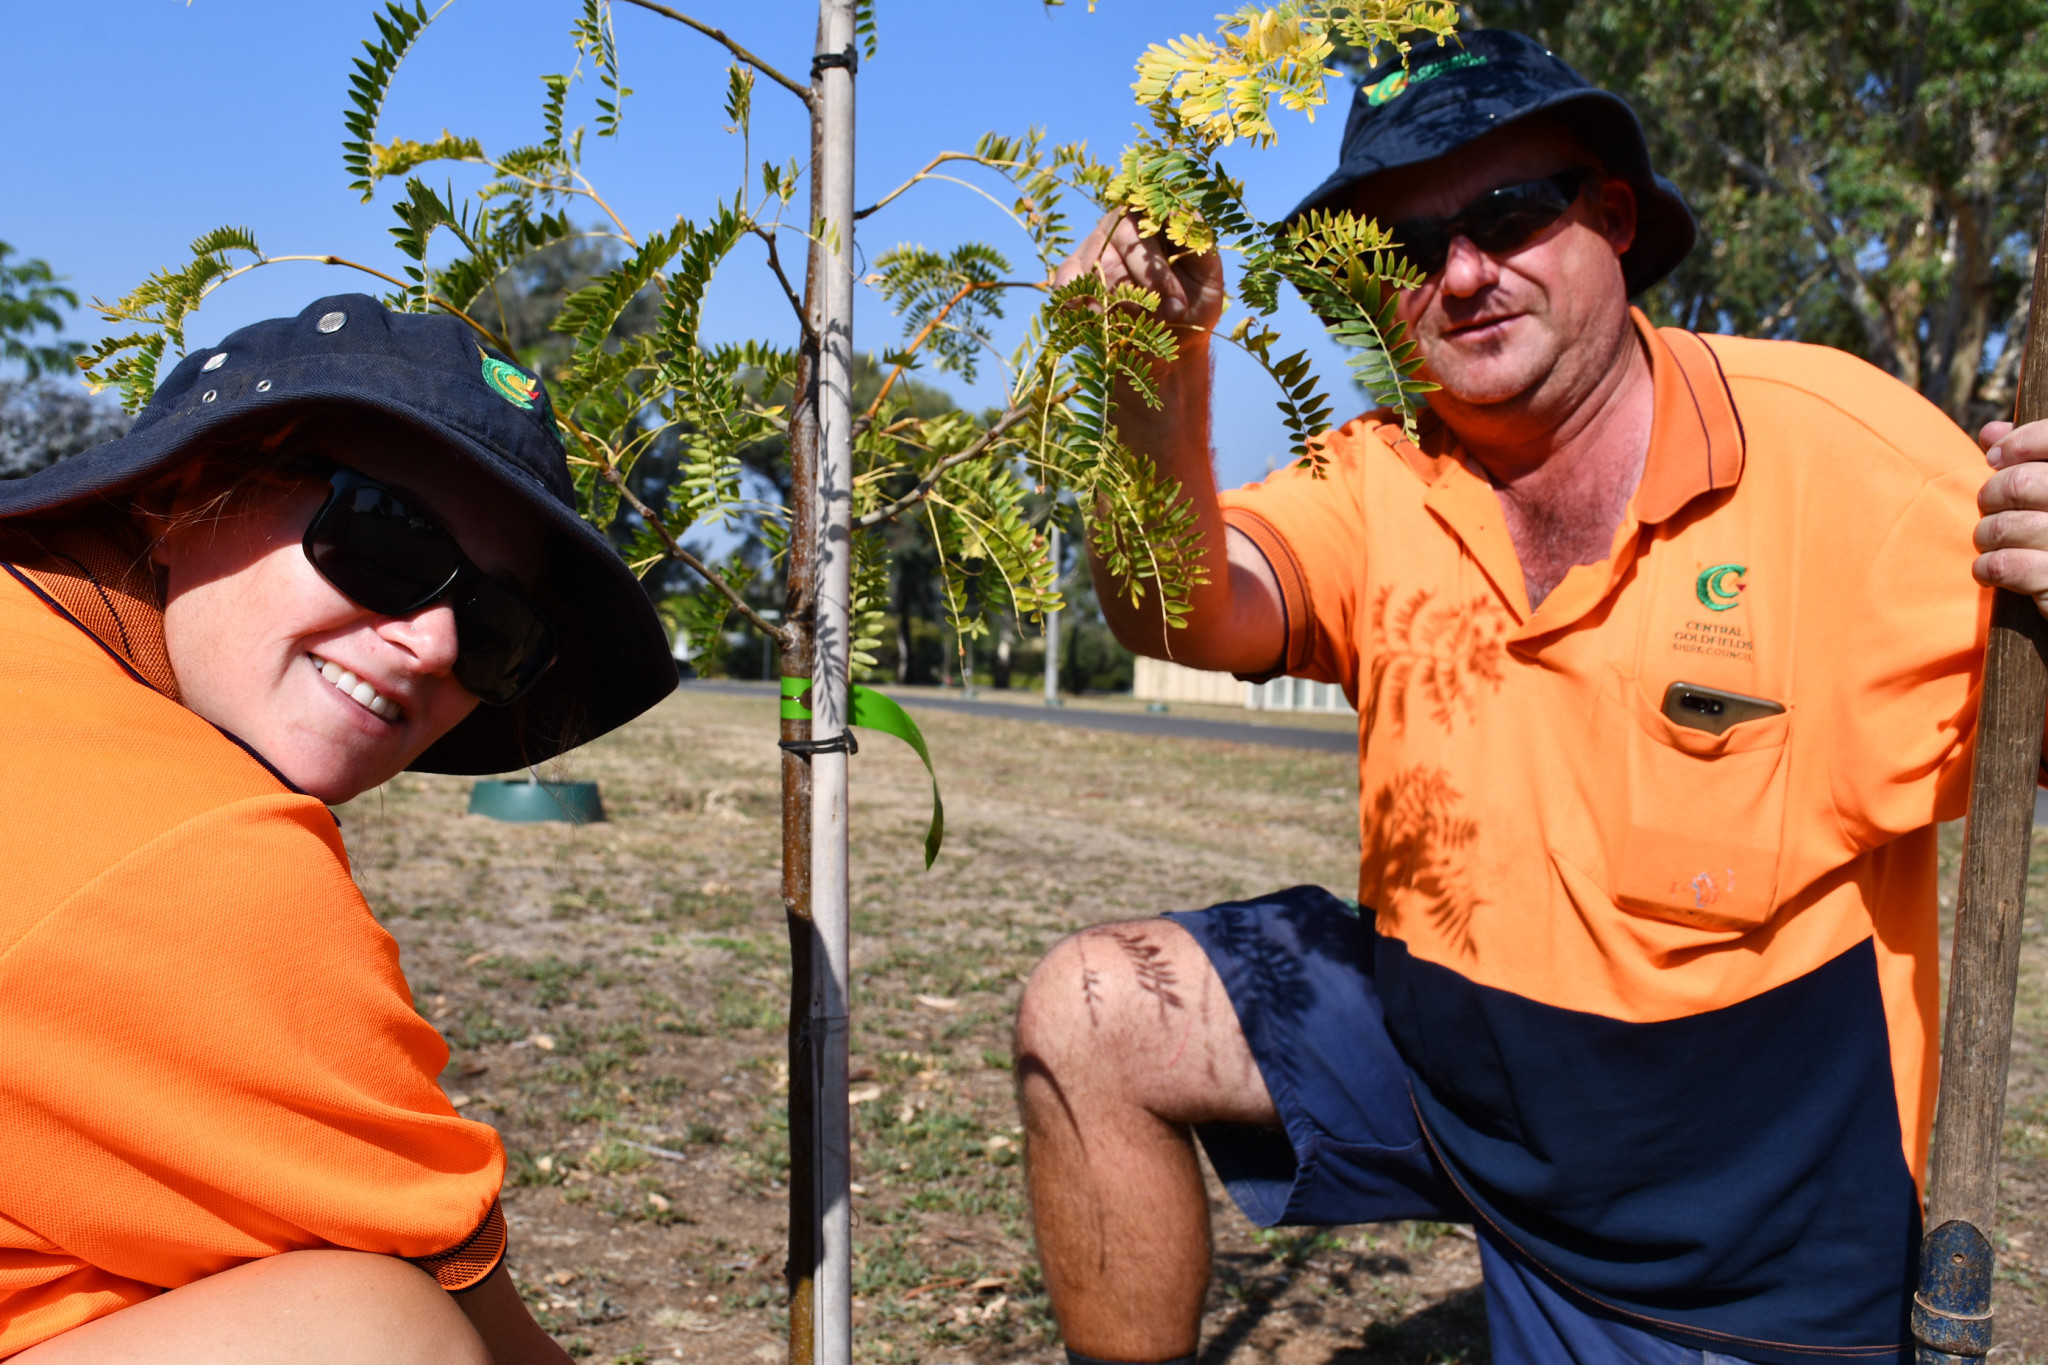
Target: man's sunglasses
(1499,220)
(387,555)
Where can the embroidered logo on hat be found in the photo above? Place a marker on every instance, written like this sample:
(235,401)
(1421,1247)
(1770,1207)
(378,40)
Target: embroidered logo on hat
(1380,91)
(511,384)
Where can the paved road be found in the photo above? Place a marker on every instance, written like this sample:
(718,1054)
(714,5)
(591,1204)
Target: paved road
(1180,727)
(1080,718)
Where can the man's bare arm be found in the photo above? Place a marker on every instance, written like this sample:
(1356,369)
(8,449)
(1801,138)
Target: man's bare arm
(1237,622)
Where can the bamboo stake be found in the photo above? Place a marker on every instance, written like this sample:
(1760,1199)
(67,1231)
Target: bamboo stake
(832,78)
(1952,1310)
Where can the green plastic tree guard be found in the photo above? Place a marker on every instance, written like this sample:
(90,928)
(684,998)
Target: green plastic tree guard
(524,802)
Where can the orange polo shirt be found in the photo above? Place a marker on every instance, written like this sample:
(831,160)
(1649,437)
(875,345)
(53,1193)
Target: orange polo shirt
(1578,899)
(210,1052)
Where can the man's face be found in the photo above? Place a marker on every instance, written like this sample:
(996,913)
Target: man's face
(1527,330)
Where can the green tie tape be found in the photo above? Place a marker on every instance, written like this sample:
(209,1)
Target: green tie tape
(871,710)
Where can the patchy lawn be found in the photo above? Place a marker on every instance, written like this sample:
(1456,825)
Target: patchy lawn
(614,998)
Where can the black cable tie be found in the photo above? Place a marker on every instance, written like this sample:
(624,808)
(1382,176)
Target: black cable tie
(843,742)
(847,61)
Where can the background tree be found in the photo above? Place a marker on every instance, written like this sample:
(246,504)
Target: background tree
(42,421)
(29,294)
(1869,173)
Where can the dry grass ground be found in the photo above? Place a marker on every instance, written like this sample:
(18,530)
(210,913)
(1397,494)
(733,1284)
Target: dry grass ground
(614,998)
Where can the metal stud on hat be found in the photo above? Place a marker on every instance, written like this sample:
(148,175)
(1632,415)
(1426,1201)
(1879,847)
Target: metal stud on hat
(331,322)
(214,361)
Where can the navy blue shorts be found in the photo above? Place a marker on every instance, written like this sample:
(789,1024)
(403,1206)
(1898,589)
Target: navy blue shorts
(1298,967)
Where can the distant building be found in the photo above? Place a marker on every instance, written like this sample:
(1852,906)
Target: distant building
(1158,680)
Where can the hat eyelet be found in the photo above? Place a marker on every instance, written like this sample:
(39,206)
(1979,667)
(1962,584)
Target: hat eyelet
(263,386)
(209,395)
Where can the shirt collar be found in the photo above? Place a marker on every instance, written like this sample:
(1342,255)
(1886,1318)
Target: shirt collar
(1696,448)
(1696,437)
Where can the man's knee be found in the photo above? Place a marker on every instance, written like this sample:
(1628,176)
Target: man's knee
(1137,1009)
(1046,1018)
(1092,982)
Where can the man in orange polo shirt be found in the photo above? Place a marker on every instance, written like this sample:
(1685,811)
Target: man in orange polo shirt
(1665,653)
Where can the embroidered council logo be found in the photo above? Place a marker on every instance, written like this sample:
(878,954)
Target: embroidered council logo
(511,384)
(1380,91)
(1720,587)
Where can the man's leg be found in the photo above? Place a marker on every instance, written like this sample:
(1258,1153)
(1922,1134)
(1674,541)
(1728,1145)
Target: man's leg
(301,1308)
(1126,1037)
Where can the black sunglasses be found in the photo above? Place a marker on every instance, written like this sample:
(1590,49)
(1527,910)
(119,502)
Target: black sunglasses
(1499,220)
(387,555)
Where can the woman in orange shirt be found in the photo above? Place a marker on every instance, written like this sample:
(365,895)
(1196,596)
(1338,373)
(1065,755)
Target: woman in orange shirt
(336,547)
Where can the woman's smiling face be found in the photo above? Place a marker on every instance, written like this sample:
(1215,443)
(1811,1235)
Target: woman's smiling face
(336,697)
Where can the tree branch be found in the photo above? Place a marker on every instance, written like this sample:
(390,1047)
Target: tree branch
(112,312)
(983,445)
(941,159)
(802,92)
(788,290)
(1785,310)
(597,456)
(1863,299)
(938,319)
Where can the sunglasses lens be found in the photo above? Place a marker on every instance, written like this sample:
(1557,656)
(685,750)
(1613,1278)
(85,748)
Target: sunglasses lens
(383,554)
(1499,221)
(392,559)
(506,645)
(1512,220)
(1424,242)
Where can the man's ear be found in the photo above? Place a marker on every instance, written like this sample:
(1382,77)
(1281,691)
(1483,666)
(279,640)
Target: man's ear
(1615,203)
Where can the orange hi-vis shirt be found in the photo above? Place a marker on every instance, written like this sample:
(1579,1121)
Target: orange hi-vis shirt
(1668,998)
(207,1051)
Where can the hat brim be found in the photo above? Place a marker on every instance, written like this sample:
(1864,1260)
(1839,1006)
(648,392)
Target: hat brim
(1666,230)
(614,661)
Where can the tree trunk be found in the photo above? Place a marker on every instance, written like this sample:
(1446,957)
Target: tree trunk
(999,666)
(799,661)
(903,643)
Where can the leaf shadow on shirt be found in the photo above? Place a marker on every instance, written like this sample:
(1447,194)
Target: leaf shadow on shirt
(1416,846)
(1435,654)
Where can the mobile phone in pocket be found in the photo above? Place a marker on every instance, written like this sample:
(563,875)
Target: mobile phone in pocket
(1712,710)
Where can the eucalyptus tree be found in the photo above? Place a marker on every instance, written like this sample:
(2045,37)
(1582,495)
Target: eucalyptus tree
(1868,172)
(29,295)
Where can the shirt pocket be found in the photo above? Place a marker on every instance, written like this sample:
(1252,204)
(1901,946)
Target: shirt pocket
(1703,837)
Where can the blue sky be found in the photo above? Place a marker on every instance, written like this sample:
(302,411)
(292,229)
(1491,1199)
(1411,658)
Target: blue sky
(141,123)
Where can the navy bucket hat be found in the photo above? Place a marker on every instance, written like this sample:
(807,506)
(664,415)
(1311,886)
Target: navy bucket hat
(1454,92)
(429,372)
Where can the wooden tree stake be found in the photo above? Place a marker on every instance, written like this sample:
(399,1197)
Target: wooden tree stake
(1952,1310)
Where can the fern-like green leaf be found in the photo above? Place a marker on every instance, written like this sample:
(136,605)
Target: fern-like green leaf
(864,25)
(595,38)
(399,27)
(590,312)
(403,154)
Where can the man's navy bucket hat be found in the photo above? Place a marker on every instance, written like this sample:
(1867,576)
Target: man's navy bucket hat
(429,372)
(1454,92)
